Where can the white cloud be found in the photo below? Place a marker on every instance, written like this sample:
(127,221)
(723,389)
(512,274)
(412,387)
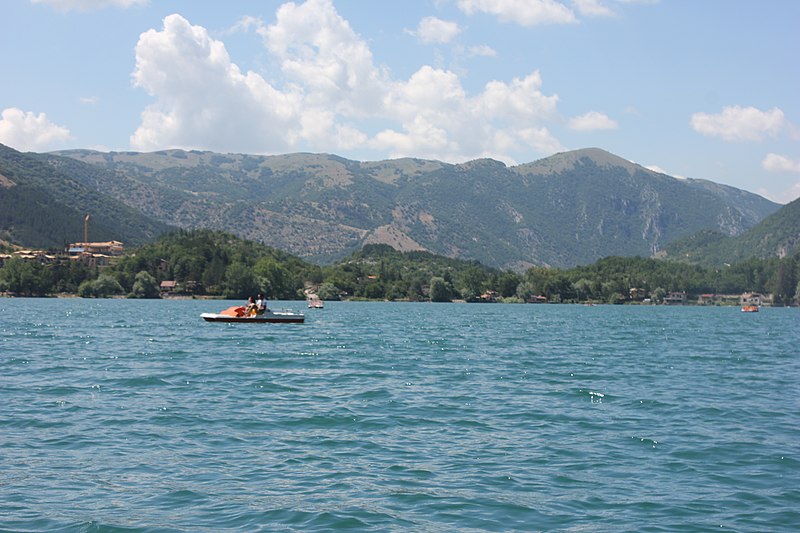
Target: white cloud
(541,140)
(244,24)
(26,131)
(420,135)
(203,100)
(319,50)
(440,120)
(592,8)
(591,121)
(89,100)
(327,92)
(481,50)
(522,12)
(740,123)
(780,163)
(521,101)
(435,30)
(90,5)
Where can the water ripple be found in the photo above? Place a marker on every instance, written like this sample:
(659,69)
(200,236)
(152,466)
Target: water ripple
(137,416)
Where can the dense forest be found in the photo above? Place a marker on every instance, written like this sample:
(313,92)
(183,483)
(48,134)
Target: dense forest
(39,206)
(217,264)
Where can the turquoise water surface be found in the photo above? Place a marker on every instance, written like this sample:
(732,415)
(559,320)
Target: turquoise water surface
(121,415)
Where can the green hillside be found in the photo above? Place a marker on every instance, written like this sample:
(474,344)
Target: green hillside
(44,207)
(778,235)
(568,209)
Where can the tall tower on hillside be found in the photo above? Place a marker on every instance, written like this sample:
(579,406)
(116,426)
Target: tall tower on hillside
(86,228)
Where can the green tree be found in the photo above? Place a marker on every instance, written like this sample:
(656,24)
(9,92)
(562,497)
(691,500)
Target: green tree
(526,290)
(658,295)
(273,277)
(240,282)
(395,291)
(583,289)
(328,291)
(188,268)
(26,278)
(785,282)
(375,290)
(145,286)
(214,275)
(470,282)
(616,298)
(439,290)
(414,292)
(507,284)
(105,285)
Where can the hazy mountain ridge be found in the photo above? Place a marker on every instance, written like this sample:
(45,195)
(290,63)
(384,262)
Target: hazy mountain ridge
(571,208)
(778,235)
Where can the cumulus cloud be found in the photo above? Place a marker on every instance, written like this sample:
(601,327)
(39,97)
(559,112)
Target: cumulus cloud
(89,5)
(740,123)
(327,93)
(435,30)
(591,121)
(203,99)
(27,131)
(780,163)
(523,12)
(440,120)
(541,140)
(320,51)
(520,101)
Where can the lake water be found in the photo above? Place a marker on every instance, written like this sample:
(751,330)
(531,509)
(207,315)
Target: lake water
(119,415)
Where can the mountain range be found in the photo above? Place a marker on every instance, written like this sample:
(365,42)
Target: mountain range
(568,209)
(43,207)
(778,235)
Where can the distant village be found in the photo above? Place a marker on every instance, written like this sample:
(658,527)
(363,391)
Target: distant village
(91,254)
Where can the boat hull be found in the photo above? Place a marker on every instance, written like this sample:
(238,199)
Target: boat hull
(273,317)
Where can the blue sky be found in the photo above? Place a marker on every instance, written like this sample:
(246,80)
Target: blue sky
(704,89)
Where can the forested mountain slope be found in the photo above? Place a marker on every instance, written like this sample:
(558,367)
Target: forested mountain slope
(43,207)
(571,208)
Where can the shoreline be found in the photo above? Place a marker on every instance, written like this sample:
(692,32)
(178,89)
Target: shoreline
(212,298)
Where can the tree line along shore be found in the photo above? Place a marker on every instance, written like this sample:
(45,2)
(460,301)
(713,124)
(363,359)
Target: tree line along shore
(205,263)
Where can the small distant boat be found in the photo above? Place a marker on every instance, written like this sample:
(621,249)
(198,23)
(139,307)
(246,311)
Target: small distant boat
(236,314)
(315,302)
(749,309)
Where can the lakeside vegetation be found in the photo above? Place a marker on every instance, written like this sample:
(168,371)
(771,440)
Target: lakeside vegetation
(215,264)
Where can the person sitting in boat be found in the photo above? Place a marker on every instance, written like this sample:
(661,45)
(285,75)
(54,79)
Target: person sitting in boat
(250,309)
(261,304)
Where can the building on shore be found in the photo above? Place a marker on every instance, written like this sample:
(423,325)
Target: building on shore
(95,254)
(675,298)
